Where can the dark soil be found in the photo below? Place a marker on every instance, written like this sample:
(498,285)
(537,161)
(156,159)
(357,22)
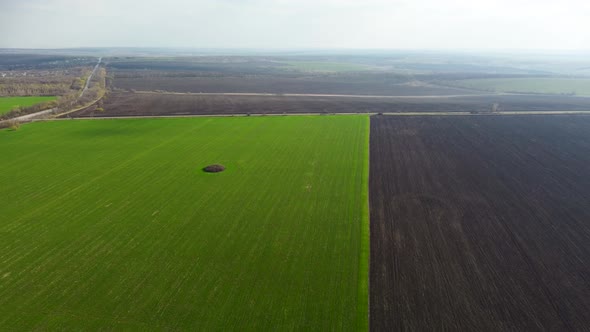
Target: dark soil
(480,223)
(215,168)
(357,84)
(201,75)
(130,104)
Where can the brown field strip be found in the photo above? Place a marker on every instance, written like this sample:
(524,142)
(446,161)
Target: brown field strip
(152,104)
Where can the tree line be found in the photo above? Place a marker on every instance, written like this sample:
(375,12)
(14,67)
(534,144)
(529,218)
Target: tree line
(68,99)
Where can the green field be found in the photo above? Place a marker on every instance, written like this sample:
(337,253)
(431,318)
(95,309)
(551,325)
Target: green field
(112,224)
(320,66)
(7,104)
(529,85)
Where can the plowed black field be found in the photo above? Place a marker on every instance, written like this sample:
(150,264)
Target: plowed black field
(137,104)
(480,223)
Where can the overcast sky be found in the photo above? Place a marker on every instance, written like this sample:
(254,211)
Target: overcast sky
(325,24)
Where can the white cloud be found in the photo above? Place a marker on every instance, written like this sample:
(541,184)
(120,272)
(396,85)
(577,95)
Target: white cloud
(472,24)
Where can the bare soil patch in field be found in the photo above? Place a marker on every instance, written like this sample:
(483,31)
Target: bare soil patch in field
(215,168)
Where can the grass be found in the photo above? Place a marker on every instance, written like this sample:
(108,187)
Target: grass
(112,224)
(363,287)
(320,66)
(7,104)
(529,85)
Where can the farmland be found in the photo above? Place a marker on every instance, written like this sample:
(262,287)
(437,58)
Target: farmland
(324,66)
(112,224)
(129,104)
(567,86)
(9,103)
(480,223)
(479,217)
(179,85)
(134,104)
(276,82)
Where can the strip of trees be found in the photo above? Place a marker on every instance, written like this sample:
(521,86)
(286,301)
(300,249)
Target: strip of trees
(24,89)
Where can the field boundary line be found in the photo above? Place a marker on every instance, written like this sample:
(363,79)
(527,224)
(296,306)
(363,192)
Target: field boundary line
(365,252)
(503,113)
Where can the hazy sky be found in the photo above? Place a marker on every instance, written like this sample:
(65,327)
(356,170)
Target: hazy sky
(391,24)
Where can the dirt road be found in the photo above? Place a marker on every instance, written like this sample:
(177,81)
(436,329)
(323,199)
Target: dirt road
(90,77)
(318,114)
